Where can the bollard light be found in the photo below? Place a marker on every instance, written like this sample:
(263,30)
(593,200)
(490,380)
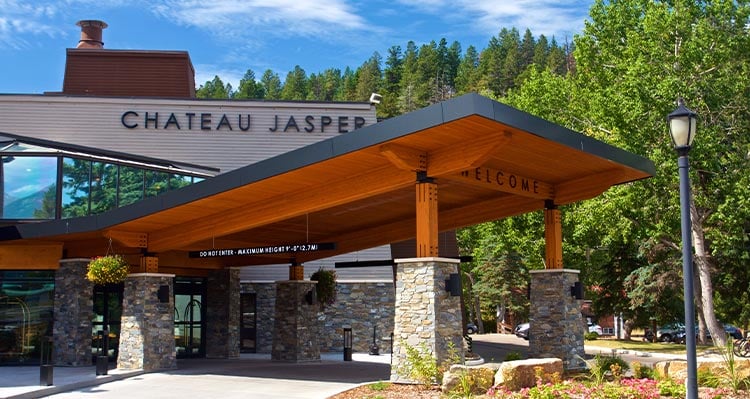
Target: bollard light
(347,343)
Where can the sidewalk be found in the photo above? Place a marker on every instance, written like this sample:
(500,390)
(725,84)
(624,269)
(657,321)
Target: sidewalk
(257,372)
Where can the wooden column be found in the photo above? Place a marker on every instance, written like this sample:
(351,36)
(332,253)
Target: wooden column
(552,236)
(296,271)
(149,264)
(427,218)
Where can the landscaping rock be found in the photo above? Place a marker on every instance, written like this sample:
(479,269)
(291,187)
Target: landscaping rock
(517,374)
(478,378)
(676,369)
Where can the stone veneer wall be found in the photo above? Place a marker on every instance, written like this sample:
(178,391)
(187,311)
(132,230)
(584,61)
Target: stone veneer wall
(361,305)
(426,315)
(556,322)
(147,325)
(73,312)
(296,326)
(265,303)
(223,314)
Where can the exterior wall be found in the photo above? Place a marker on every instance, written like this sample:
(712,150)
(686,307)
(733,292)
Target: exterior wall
(556,323)
(74,310)
(362,305)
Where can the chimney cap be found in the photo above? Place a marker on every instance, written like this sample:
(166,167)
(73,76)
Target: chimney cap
(91,33)
(92,22)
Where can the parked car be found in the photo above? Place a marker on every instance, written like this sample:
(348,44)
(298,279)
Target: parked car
(595,328)
(679,336)
(471,328)
(522,330)
(668,332)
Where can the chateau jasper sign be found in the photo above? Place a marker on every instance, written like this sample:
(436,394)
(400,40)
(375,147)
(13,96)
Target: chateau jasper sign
(207,121)
(268,250)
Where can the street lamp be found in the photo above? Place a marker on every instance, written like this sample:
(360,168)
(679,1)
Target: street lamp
(682,129)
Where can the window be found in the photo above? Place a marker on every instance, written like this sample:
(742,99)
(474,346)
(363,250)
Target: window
(29,187)
(131,185)
(75,181)
(103,187)
(156,183)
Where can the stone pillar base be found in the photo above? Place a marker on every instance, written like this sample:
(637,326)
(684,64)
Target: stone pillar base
(556,323)
(74,310)
(427,318)
(223,314)
(295,329)
(147,326)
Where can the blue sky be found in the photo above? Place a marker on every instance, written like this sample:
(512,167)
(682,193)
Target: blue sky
(228,37)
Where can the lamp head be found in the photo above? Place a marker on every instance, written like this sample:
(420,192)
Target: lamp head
(375,98)
(682,126)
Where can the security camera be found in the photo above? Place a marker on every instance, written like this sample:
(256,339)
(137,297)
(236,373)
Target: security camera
(375,98)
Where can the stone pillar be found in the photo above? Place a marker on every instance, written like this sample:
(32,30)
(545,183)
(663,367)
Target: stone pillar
(295,329)
(147,326)
(427,317)
(223,314)
(556,322)
(73,313)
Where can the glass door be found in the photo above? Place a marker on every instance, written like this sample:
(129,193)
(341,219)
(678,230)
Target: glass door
(189,317)
(247,323)
(105,330)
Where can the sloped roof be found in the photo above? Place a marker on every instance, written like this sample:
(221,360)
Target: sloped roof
(358,191)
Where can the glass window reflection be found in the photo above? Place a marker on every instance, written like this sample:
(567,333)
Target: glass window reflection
(75,195)
(29,187)
(103,187)
(131,185)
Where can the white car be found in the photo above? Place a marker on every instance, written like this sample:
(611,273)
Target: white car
(595,328)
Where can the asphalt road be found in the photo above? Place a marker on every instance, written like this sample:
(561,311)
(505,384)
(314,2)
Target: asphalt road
(495,348)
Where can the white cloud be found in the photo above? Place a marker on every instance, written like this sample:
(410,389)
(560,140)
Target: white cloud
(548,17)
(248,18)
(20,20)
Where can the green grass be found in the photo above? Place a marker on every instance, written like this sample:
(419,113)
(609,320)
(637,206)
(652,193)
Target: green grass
(379,386)
(636,345)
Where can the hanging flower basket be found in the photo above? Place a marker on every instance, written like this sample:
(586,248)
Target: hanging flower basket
(108,269)
(326,287)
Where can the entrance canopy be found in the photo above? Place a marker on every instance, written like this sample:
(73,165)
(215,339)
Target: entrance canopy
(356,190)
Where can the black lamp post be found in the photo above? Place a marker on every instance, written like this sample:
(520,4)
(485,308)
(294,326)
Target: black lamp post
(682,123)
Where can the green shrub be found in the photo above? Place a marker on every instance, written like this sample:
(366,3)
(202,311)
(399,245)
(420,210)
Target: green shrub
(420,365)
(591,336)
(641,371)
(513,356)
(326,287)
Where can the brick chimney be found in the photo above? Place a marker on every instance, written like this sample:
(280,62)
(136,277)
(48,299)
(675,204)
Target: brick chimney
(91,33)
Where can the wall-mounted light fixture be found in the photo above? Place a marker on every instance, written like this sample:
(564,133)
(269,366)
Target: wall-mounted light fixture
(576,291)
(163,294)
(453,284)
(375,98)
(311,297)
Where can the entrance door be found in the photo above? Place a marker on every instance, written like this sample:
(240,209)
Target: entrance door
(189,317)
(105,332)
(247,323)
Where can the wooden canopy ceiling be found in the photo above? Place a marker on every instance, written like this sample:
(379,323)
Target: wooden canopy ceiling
(357,190)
